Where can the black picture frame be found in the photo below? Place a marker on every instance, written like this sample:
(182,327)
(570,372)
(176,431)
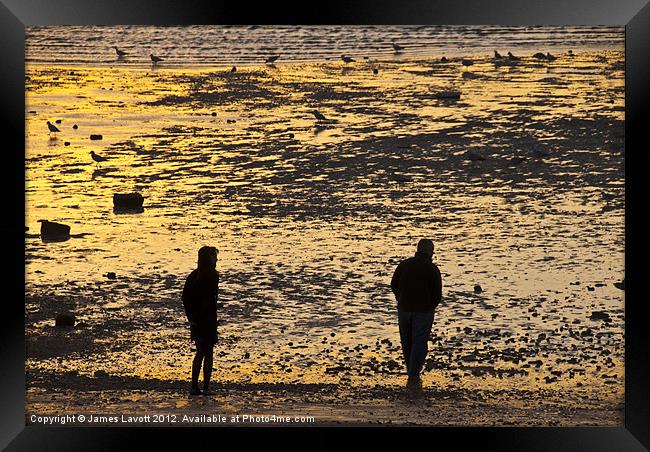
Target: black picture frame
(634,14)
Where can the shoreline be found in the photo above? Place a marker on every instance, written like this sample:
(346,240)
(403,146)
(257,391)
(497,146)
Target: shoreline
(329,404)
(387,58)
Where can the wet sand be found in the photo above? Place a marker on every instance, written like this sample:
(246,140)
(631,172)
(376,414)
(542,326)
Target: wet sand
(520,184)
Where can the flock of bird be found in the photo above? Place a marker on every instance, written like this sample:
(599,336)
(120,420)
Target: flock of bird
(269,60)
(498,58)
(397,49)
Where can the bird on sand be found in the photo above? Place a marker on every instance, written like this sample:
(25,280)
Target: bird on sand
(550,57)
(154,59)
(272,59)
(52,127)
(347,59)
(397,48)
(97,158)
(120,53)
(319,115)
(497,55)
(512,57)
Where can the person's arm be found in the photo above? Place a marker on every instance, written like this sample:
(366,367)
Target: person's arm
(216,290)
(437,286)
(394,283)
(187,300)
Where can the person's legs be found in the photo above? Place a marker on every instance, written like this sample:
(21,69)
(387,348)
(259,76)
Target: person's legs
(196,367)
(405,335)
(207,365)
(421,330)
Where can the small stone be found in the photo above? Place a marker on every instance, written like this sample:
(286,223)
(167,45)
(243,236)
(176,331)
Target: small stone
(247,355)
(95,136)
(600,315)
(375,71)
(58,121)
(65,319)
(75,127)
(100,374)
(128,200)
(111,275)
(66,143)
(478,289)
(213,113)
(52,230)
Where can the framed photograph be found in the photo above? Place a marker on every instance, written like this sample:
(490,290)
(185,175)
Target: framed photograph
(387,215)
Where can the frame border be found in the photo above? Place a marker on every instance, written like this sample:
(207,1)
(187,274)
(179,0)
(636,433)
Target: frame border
(634,14)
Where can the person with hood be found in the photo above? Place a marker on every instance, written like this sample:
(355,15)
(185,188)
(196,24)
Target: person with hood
(417,285)
(199,297)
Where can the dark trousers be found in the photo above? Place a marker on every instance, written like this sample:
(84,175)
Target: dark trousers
(414,331)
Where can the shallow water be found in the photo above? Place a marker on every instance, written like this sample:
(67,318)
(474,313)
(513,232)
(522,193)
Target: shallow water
(520,184)
(245,45)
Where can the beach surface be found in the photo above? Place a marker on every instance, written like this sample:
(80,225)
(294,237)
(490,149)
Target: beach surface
(519,183)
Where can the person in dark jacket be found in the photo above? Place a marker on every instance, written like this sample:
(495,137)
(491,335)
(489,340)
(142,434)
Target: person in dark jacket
(200,302)
(417,286)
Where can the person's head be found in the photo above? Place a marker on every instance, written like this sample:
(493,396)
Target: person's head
(208,257)
(425,246)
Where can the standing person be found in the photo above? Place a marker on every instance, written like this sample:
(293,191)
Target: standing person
(417,286)
(200,302)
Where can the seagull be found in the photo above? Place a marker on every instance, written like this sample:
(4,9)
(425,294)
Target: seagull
(398,48)
(319,115)
(97,158)
(512,57)
(234,69)
(154,59)
(346,59)
(52,127)
(550,57)
(272,59)
(120,53)
(497,55)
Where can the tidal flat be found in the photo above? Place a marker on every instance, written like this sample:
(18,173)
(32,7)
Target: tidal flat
(519,183)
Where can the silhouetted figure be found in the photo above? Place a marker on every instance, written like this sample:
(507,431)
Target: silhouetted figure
(417,286)
(200,301)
